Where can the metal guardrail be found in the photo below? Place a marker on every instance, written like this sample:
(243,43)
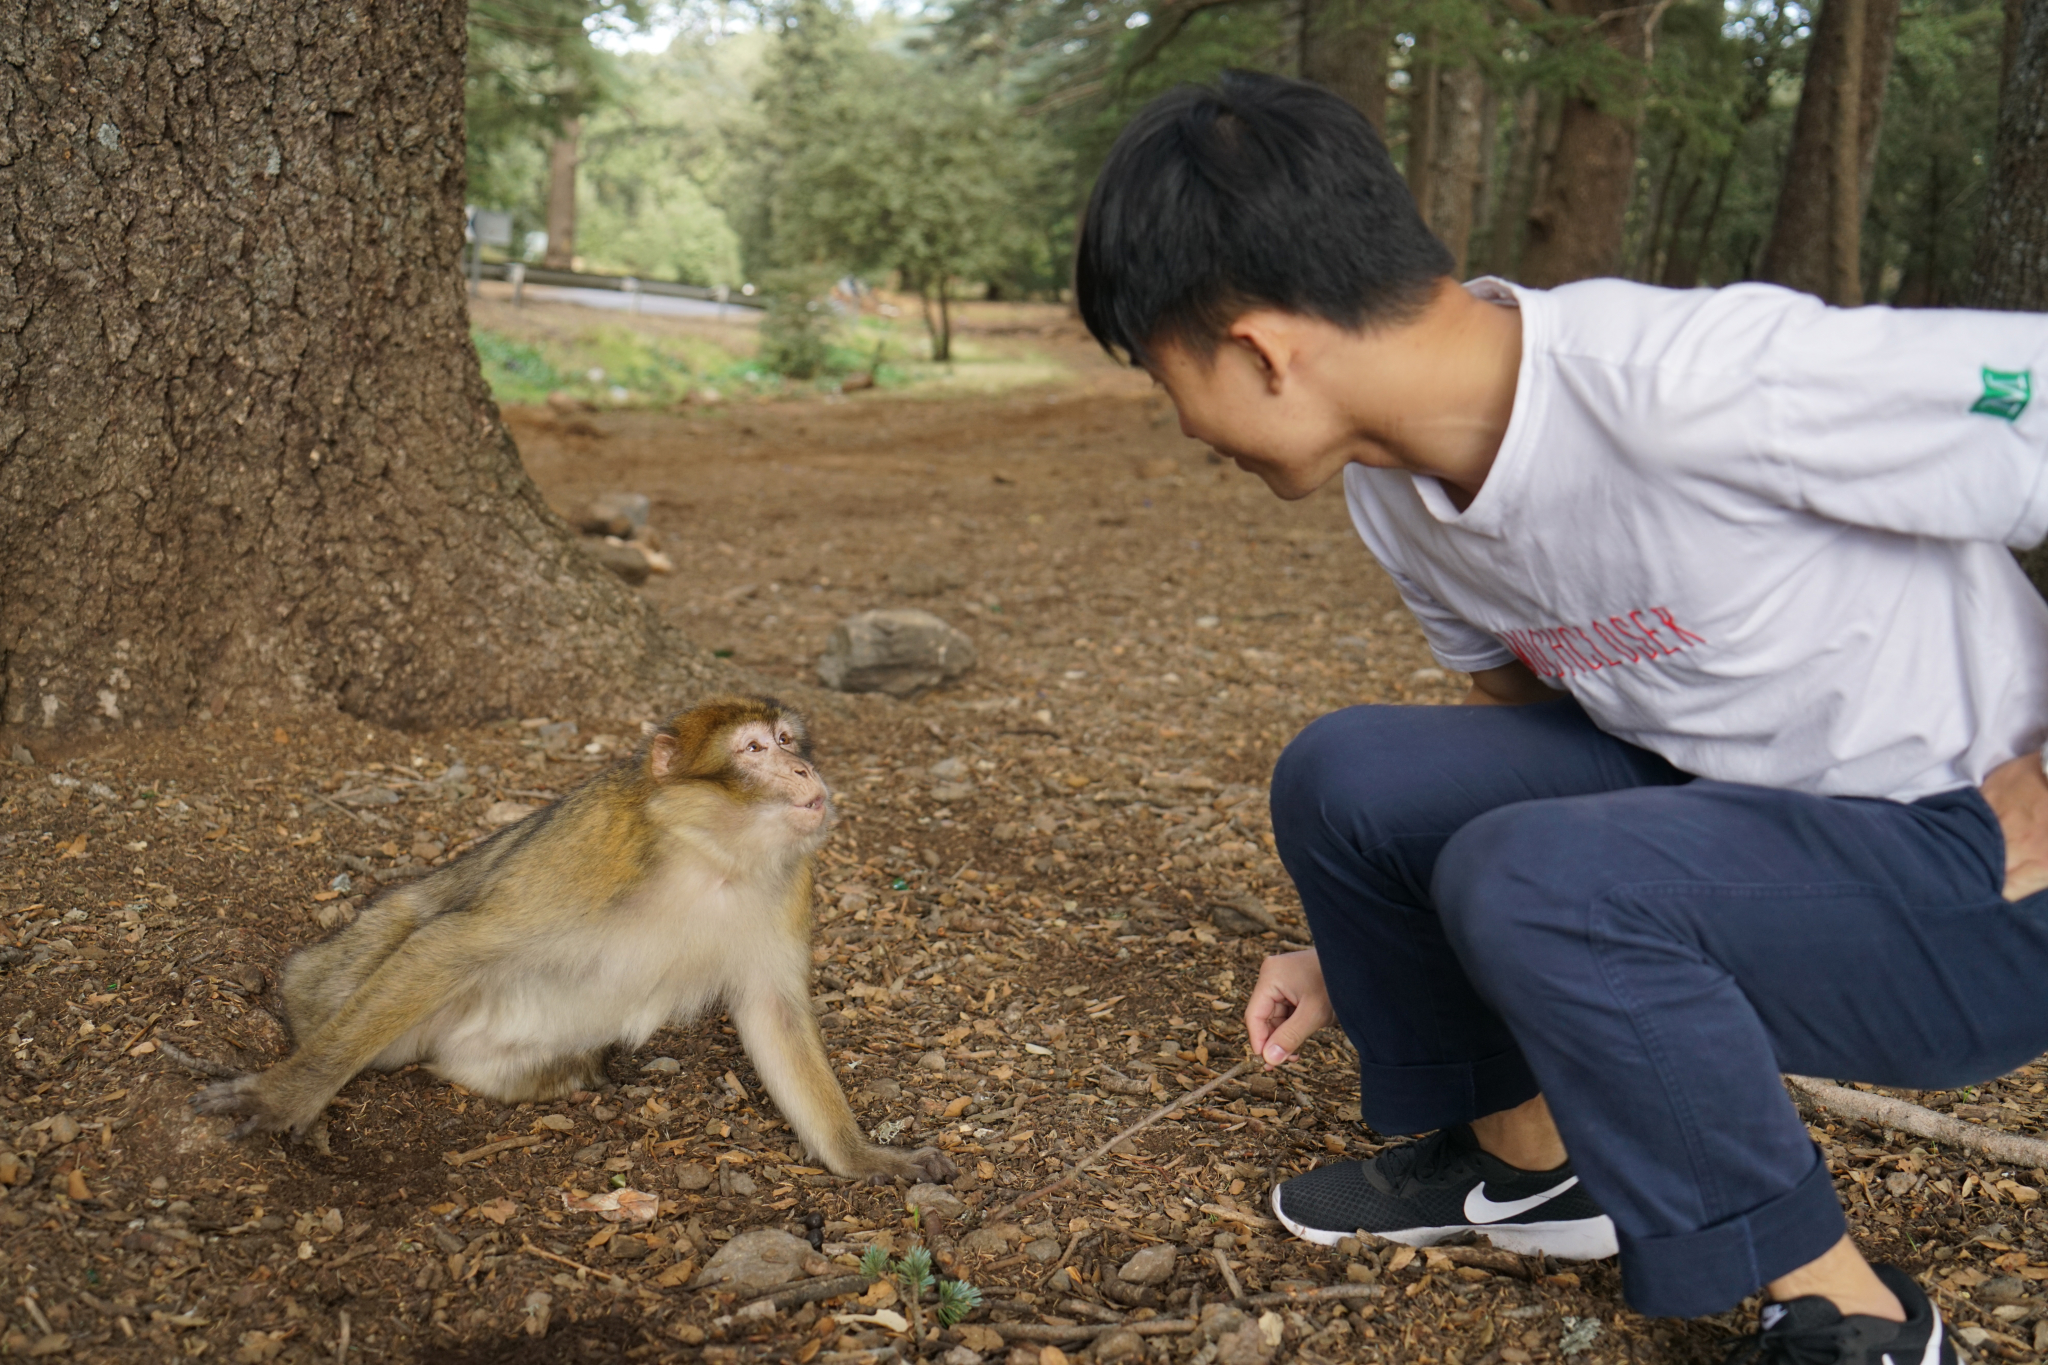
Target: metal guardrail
(517,275)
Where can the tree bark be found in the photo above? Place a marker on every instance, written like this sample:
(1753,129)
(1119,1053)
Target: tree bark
(1845,170)
(1420,161)
(1576,222)
(562,161)
(1800,252)
(1347,53)
(247,456)
(2011,268)
(1450,190)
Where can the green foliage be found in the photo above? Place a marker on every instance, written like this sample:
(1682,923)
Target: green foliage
(957,1298)
(913,1275)
(516,371)
(798,328)
(531,68)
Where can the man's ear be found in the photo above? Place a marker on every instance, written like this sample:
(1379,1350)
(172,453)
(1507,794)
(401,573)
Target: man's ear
(1269,339)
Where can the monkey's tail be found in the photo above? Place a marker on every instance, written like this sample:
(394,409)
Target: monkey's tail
(197,1065)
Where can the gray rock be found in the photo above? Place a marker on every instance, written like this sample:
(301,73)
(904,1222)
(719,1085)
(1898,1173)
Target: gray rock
(990,1241)
(624,560)
(20,754)
(589,1156)
(949,769)
(1044,1249)
(1220,1320)
(1246,1346)
(1120,1343)
(895,650)
(667,1066)
(960,1355)
(757,1260)
(948,792)
(693,1176)
(935,1199)
(616,514)
(1152,1265)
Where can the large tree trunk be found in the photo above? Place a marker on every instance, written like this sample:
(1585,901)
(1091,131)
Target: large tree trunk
(1808,231)
(1451,189)
(2011,269)
(1346,51)
(246,453)
(2011,266)
(563,156)
(1576,221)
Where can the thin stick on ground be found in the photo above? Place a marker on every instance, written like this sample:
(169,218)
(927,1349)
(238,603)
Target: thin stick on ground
(1229,1277)
(1883,1111)
(1100,1152)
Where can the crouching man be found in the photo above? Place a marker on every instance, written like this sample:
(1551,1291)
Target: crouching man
(1750,779)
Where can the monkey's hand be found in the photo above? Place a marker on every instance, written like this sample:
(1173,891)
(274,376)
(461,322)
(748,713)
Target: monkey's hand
(880,1165)
(257,1104)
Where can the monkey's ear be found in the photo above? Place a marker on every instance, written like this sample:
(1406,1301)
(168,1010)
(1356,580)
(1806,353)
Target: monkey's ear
(663,755)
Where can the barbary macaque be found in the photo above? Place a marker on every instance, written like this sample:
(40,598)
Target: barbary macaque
(674,881)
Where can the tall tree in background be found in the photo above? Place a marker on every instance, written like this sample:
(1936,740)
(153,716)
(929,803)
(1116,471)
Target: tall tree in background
(2012,248)
(1577,223)
(562,163)
(246,453)
(1815,242)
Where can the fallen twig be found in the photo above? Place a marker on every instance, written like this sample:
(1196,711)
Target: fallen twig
(1328,1291)
(812,1291)
(1886,1112)
(493,1148)
(198,1065)
(530,1249)
(336,805)
(1100,1152)
(1050,1334)
(1229,1276)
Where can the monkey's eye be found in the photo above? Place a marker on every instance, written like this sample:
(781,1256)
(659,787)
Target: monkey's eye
(755,746)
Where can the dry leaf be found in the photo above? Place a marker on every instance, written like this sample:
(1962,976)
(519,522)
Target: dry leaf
(617,1205)
(498,1210)
(881,1317)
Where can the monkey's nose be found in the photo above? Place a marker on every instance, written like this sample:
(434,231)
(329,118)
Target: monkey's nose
(801,771)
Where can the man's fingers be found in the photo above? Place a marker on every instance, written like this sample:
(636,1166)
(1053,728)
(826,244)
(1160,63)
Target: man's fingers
(1287,1039)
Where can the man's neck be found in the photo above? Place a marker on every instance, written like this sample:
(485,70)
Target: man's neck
(1439,390)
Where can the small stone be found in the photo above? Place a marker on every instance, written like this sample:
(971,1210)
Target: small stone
(1246,1346)
(757,1260)
(1044,1249)
(506,813)
(20,754)
(935,1199)
(1220,1320)
(960,1355)
(899,651)
(979,1337)
(935,1060)
(948,769)
(758,1311)
(693,1176)
(250,978)
(629,1248)
(816,1265)
(539,1307)
(667,1066)
(591,1155)
(1360,1273)
(2001,1289)
(1152,1265)
(624,560)
(63,1129)
(739,1182)
(992,1241)
(1119,1344)
(616,514)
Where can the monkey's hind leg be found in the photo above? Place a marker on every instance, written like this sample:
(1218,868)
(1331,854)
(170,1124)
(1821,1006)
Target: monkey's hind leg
(551,1079)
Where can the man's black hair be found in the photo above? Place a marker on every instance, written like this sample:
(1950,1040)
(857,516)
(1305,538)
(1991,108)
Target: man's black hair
(1254,192)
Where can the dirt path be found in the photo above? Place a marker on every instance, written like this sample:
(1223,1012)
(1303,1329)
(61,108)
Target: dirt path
(1031,933)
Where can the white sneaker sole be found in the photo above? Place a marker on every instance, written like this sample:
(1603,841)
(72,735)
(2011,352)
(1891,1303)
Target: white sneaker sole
(1577,1239)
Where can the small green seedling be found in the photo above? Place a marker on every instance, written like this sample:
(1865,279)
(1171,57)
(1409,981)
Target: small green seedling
(913,1275)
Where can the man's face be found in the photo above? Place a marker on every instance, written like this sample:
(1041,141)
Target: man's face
(1255,399)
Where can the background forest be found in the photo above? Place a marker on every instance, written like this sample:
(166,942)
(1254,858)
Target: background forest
(945,150)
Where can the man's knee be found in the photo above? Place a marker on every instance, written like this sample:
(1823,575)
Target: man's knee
(1347,762)
(1514,885)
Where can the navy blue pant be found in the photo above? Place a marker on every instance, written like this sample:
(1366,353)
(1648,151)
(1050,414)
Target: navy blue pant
(1506,900)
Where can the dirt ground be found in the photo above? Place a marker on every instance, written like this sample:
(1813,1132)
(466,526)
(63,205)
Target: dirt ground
(1038,920)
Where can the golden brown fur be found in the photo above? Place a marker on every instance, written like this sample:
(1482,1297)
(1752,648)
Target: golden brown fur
(674,881)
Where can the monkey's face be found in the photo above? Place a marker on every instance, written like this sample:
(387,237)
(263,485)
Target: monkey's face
(769,758)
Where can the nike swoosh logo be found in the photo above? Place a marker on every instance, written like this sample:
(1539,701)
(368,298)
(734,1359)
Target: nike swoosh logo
(1480,1209)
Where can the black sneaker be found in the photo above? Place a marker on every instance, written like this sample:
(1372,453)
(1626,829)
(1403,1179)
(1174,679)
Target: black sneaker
(1812,1331)
(1443,1185)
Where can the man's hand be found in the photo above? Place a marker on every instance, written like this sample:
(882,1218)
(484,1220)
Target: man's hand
(1289,1003)
(2018,792)
(1511,684)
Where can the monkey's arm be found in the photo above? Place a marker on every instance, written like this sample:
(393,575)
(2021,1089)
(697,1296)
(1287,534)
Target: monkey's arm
(782,1037)
(406,987)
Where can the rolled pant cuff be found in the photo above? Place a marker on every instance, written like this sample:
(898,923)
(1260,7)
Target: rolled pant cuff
(1422,1099)
(1692,1274)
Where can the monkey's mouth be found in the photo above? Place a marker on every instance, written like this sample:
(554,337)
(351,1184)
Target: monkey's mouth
(815,803)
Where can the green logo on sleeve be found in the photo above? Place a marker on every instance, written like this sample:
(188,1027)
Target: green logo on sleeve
(2005,393)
